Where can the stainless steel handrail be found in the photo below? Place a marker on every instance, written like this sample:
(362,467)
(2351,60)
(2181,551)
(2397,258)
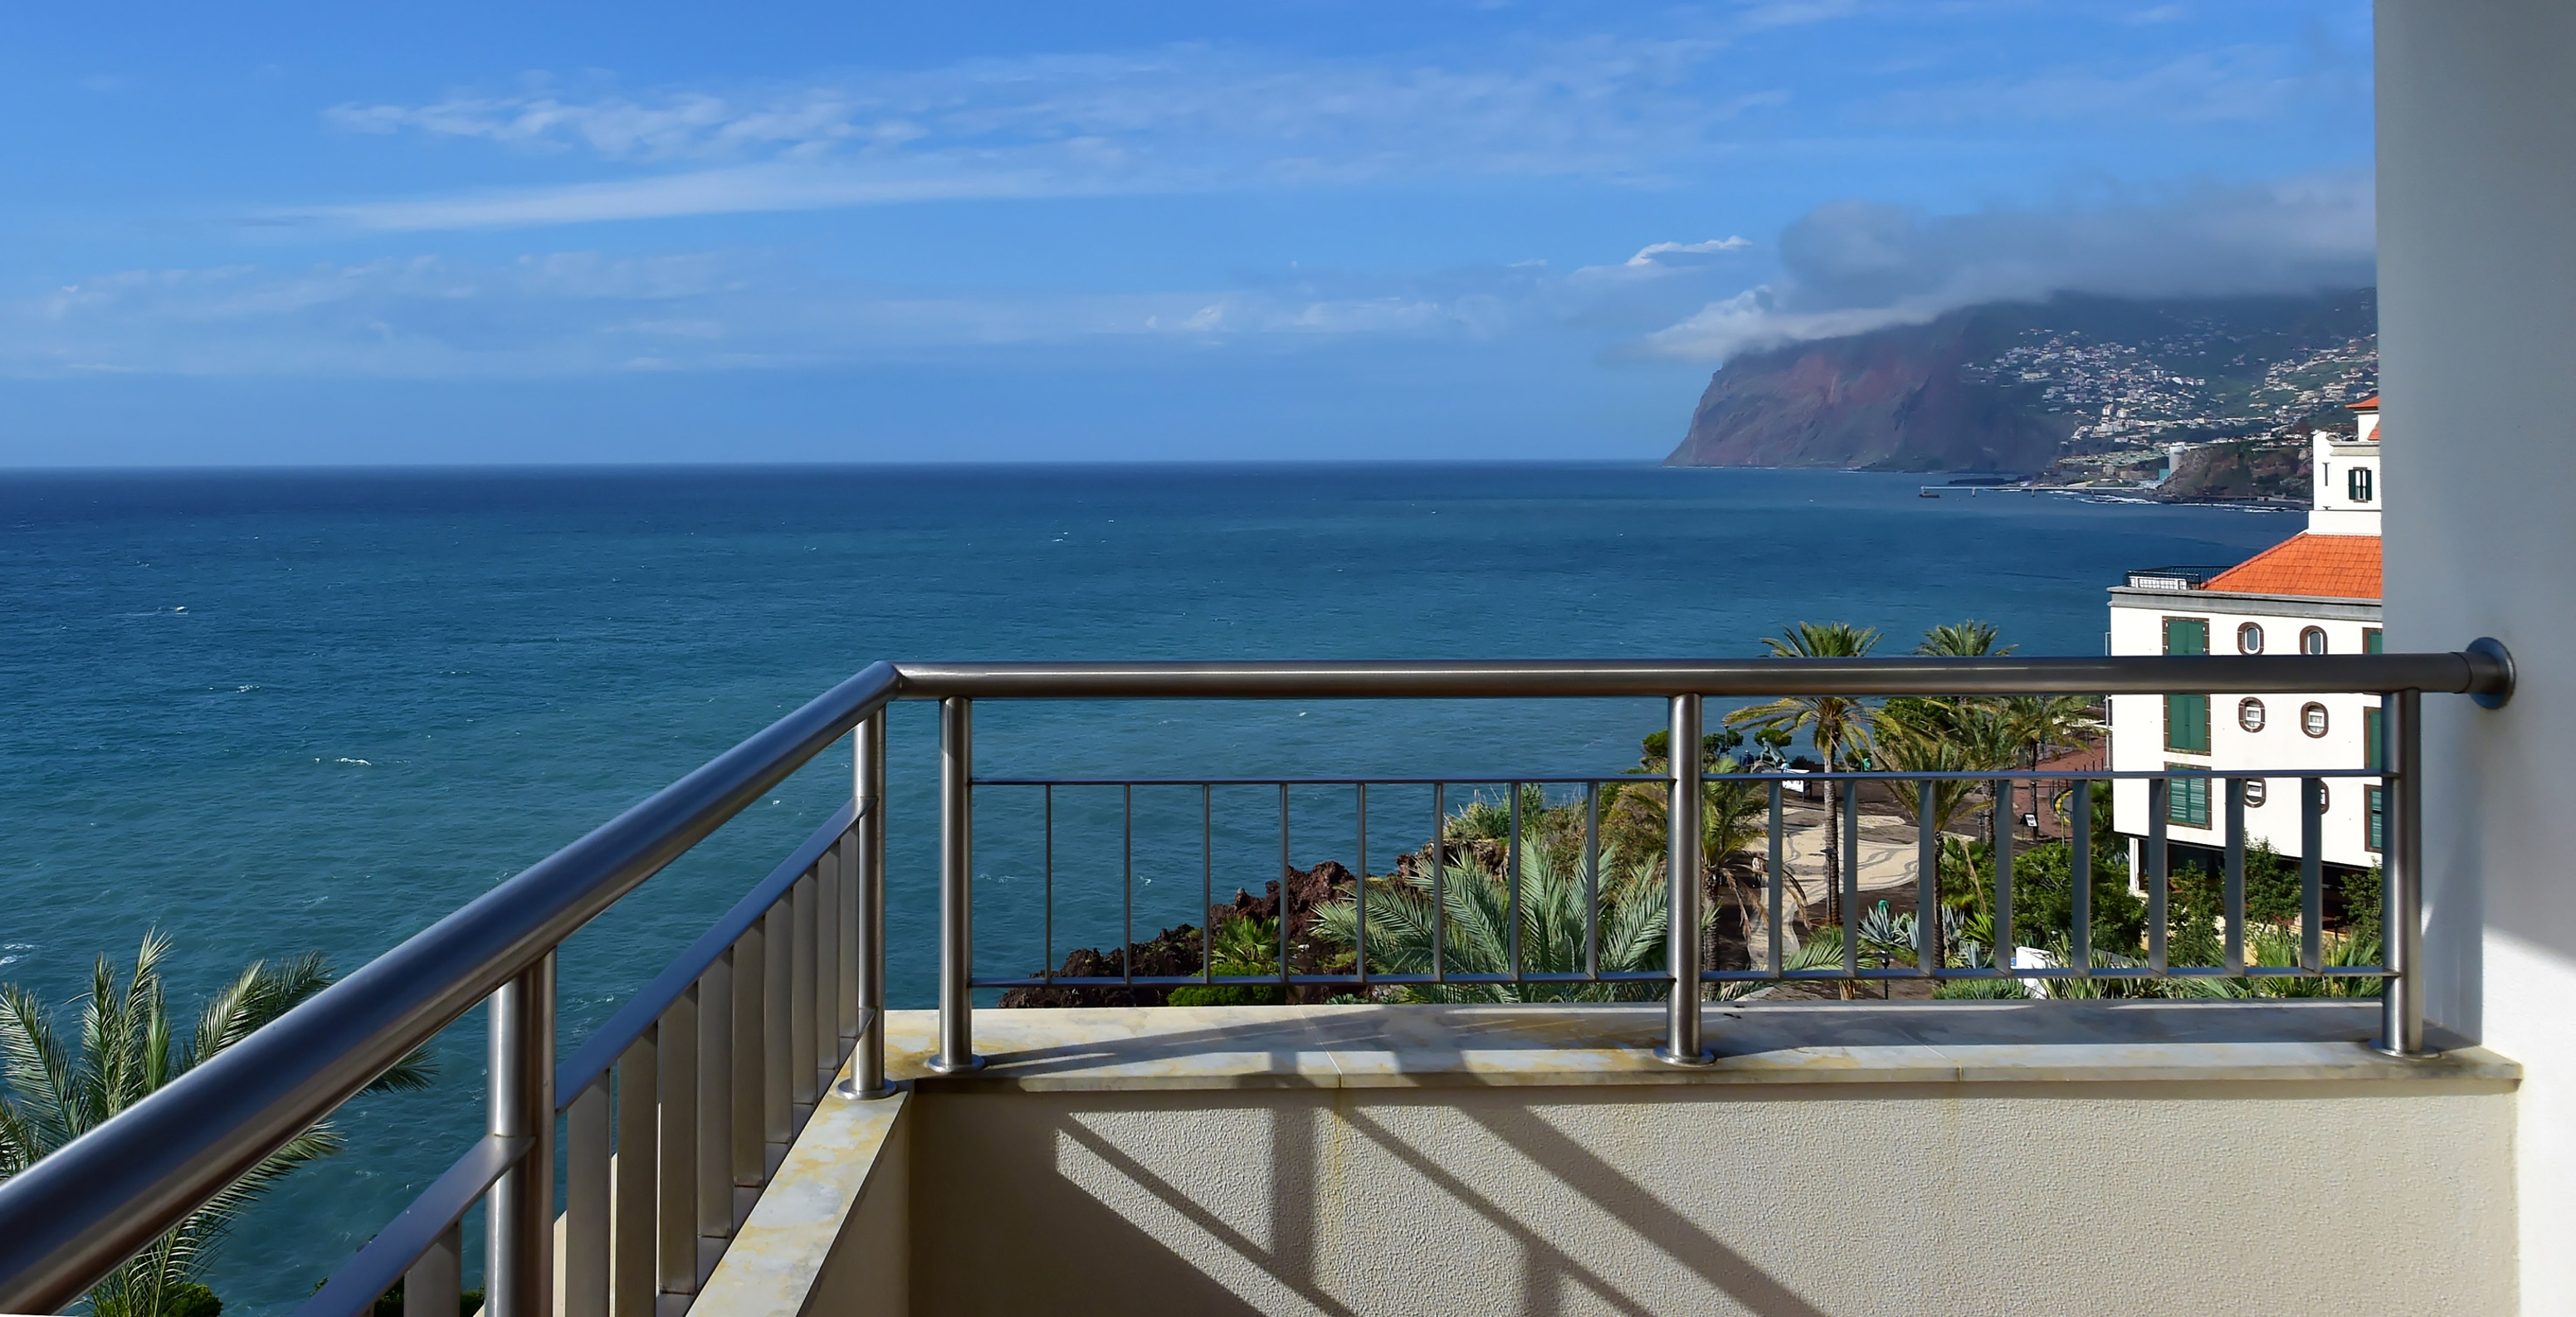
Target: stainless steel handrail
(2474,672)
(73,1216)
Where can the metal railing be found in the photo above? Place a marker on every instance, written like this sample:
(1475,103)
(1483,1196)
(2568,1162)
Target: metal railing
(679,1108)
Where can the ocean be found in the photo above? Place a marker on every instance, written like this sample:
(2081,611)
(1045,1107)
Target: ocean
(276,711)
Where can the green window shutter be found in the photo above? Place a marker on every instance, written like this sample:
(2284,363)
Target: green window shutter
(2375,801)
(2187,799)
(2370,640)
(2370,739)
(2186,635)
(2187,723)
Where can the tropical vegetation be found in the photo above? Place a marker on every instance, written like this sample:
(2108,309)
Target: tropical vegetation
(57,1083)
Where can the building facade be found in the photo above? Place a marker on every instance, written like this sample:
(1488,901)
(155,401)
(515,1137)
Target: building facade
(2317,593)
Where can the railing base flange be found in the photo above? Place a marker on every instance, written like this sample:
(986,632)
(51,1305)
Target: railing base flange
(2423,1054)
(1665,1055)
(945,1067)
(846,1089)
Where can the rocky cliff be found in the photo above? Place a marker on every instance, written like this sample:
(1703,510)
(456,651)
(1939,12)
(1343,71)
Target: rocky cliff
(2017,386)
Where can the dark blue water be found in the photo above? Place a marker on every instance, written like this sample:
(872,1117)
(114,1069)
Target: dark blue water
(270,712)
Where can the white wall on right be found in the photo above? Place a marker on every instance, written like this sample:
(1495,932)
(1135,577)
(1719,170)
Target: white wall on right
(2477,264)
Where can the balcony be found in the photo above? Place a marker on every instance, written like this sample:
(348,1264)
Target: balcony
(756,1131)
(2176,579)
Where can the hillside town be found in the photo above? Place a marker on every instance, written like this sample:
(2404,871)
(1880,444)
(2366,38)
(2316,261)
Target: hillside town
(2182,415)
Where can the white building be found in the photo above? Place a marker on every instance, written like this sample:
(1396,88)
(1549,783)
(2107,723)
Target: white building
(2315,593)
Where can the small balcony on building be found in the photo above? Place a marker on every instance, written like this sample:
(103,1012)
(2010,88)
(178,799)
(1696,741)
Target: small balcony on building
(1428,1045)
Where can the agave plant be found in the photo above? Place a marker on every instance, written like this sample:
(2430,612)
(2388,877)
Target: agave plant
(125,1050)
(1477,904)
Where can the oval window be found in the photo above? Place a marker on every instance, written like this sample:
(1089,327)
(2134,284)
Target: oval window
(2255,792)
(2312,640)
(2312,719)
(2249,639)
(2249,715)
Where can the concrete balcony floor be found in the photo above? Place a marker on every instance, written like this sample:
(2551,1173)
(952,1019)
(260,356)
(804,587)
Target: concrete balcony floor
(1843,1158)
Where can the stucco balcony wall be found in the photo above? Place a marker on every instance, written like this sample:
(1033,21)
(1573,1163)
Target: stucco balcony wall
(2049,1158)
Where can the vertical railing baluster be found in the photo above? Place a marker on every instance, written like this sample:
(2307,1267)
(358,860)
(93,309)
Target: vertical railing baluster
(520,1215)
(1927,880)
(777,1028)
(2401,908)
(1284,865)
(585,1218)
(2080,867)
(715,1098)
(867,1074)
(2233,895)
(1850,789)
(2312,873)
(956,887)
(633,1279)
(1775,861)
(1127,882)
(676,1206)
(2159,804)
(1512,865)
(2005,939)
(1046,896)
(436,1282)
(1592,881)
(749,1062)
(1681,1045)
(827,970)
(846,993)
(1207,883)
(801,1061)
(1359,896)
(1439,882)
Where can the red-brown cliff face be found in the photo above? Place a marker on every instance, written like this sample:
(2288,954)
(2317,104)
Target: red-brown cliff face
(1892,400)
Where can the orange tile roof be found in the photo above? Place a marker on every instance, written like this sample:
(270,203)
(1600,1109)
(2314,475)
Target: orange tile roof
(2369,404)
(2313,566)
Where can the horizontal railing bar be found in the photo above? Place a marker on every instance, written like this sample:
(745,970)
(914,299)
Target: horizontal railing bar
(610,1040)
(2472,673)
(73,1215)
(1642,779)
(354,1287)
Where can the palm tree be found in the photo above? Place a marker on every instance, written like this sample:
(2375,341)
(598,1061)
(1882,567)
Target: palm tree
(126,1052)
(1970,639)
(1837,724)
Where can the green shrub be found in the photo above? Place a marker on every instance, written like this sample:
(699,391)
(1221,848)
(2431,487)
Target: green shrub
(1228,994)
(191,1300)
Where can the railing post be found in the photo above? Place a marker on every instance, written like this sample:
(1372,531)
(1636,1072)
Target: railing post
(521,1215)
(956,890)
(867,1073)
(1681,1044)
(2401,903)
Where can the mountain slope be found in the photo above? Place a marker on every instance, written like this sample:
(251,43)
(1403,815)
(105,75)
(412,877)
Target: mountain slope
(2015,386)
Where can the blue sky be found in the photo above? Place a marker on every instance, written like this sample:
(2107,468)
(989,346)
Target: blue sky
(1001,231)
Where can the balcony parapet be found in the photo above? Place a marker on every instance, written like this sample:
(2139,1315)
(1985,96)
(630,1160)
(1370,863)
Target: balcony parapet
(1236,1047)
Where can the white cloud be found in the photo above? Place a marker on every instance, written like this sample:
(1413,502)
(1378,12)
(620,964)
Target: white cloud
(1854,266)
(576,313)
(1181,118)
(1647,254)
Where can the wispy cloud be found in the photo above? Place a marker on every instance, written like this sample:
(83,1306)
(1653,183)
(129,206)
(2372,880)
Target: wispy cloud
(577,313)
(1181,118)
(1854,266)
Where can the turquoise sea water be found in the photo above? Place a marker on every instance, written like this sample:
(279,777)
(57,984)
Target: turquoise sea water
(276,711)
